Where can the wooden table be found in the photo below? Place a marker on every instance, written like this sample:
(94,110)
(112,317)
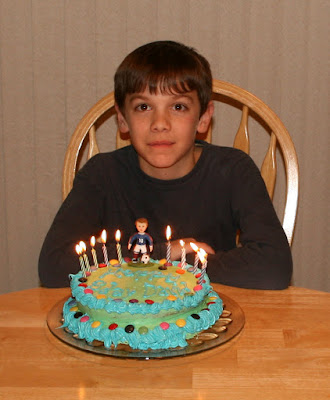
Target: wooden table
(283,352)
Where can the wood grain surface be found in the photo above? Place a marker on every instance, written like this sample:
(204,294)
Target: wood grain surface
(283,352)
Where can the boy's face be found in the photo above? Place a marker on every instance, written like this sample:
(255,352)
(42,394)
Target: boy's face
(162,129)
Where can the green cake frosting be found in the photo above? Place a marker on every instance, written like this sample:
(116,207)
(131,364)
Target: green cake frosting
(142,306)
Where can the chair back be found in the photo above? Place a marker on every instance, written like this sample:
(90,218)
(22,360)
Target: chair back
(222,91)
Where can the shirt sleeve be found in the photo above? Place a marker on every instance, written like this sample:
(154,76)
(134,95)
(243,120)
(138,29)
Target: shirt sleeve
(263,259)
(79,215)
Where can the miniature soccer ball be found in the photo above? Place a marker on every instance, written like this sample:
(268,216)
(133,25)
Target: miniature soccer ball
(145,258)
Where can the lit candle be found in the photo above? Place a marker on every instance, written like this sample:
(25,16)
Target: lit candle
(118,246)
(83,249)
(183,254)
(195,248)
(104,249)
(203,257)
(168,250)
(81,260)
(96,264)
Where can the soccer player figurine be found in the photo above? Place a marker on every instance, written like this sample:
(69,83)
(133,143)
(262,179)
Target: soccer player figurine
(141,240)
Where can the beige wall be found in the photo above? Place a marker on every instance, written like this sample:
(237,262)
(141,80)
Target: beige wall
(58,57)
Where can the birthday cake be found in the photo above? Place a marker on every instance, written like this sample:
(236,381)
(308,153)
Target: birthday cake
(143,306)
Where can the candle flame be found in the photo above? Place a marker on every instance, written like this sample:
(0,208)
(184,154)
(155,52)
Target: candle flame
(82,246)
(104,236)
(182,243)
(168,232)
(78,249)
(193,246)
(118,235)
(93,241)
(202,255)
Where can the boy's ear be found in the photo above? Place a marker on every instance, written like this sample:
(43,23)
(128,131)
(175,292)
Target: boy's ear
(122,124)
(205,119)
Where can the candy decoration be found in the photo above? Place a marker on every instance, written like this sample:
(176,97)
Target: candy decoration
(171,297)
(88,291)
(96,324)
(85,318)
(164,325)
(113,326)
(181,323)
(149,301)
(143,330)
(195,316)
(129,328)
(78,314)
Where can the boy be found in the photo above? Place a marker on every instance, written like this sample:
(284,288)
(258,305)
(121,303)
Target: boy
(204,192)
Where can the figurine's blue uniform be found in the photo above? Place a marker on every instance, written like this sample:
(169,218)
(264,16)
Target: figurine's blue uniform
(141,239)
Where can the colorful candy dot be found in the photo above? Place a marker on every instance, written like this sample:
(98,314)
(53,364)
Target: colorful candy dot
(75,308)
(213,298)
(85,318)
(82,279)
(211,302)
(129,328)
(164,325)
(171,297)
(101,296)
(95,324)
(198,275)
(195,316)
(143,330)
(113,326)
(78,314)
(102,265)
(181,323)
(148,301)
(114,262)
(133,300)
(162,261)
(180,271)
(88,291)
(198,287)
(83,284)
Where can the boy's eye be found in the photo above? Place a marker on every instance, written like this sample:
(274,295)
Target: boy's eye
(143,107)
(179,107)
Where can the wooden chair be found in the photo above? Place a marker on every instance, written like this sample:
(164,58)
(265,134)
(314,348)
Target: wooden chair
(222,91)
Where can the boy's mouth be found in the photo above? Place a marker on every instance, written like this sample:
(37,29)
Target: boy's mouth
(161,143)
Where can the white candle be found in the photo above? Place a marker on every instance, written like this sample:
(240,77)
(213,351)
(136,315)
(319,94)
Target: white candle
(104,249)
(195,248)
(183,254)
(168,250)
(118,246)
(83,249)
(203,257)
(81,261)
(96,264)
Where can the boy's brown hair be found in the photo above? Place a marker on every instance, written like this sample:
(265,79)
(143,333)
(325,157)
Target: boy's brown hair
(167,66)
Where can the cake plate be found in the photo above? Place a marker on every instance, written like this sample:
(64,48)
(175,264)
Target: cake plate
(226,328)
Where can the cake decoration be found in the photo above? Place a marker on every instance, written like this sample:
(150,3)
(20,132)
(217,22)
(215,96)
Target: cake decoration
(153,304)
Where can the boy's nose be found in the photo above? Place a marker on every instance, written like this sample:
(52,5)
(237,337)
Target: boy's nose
(160,121)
